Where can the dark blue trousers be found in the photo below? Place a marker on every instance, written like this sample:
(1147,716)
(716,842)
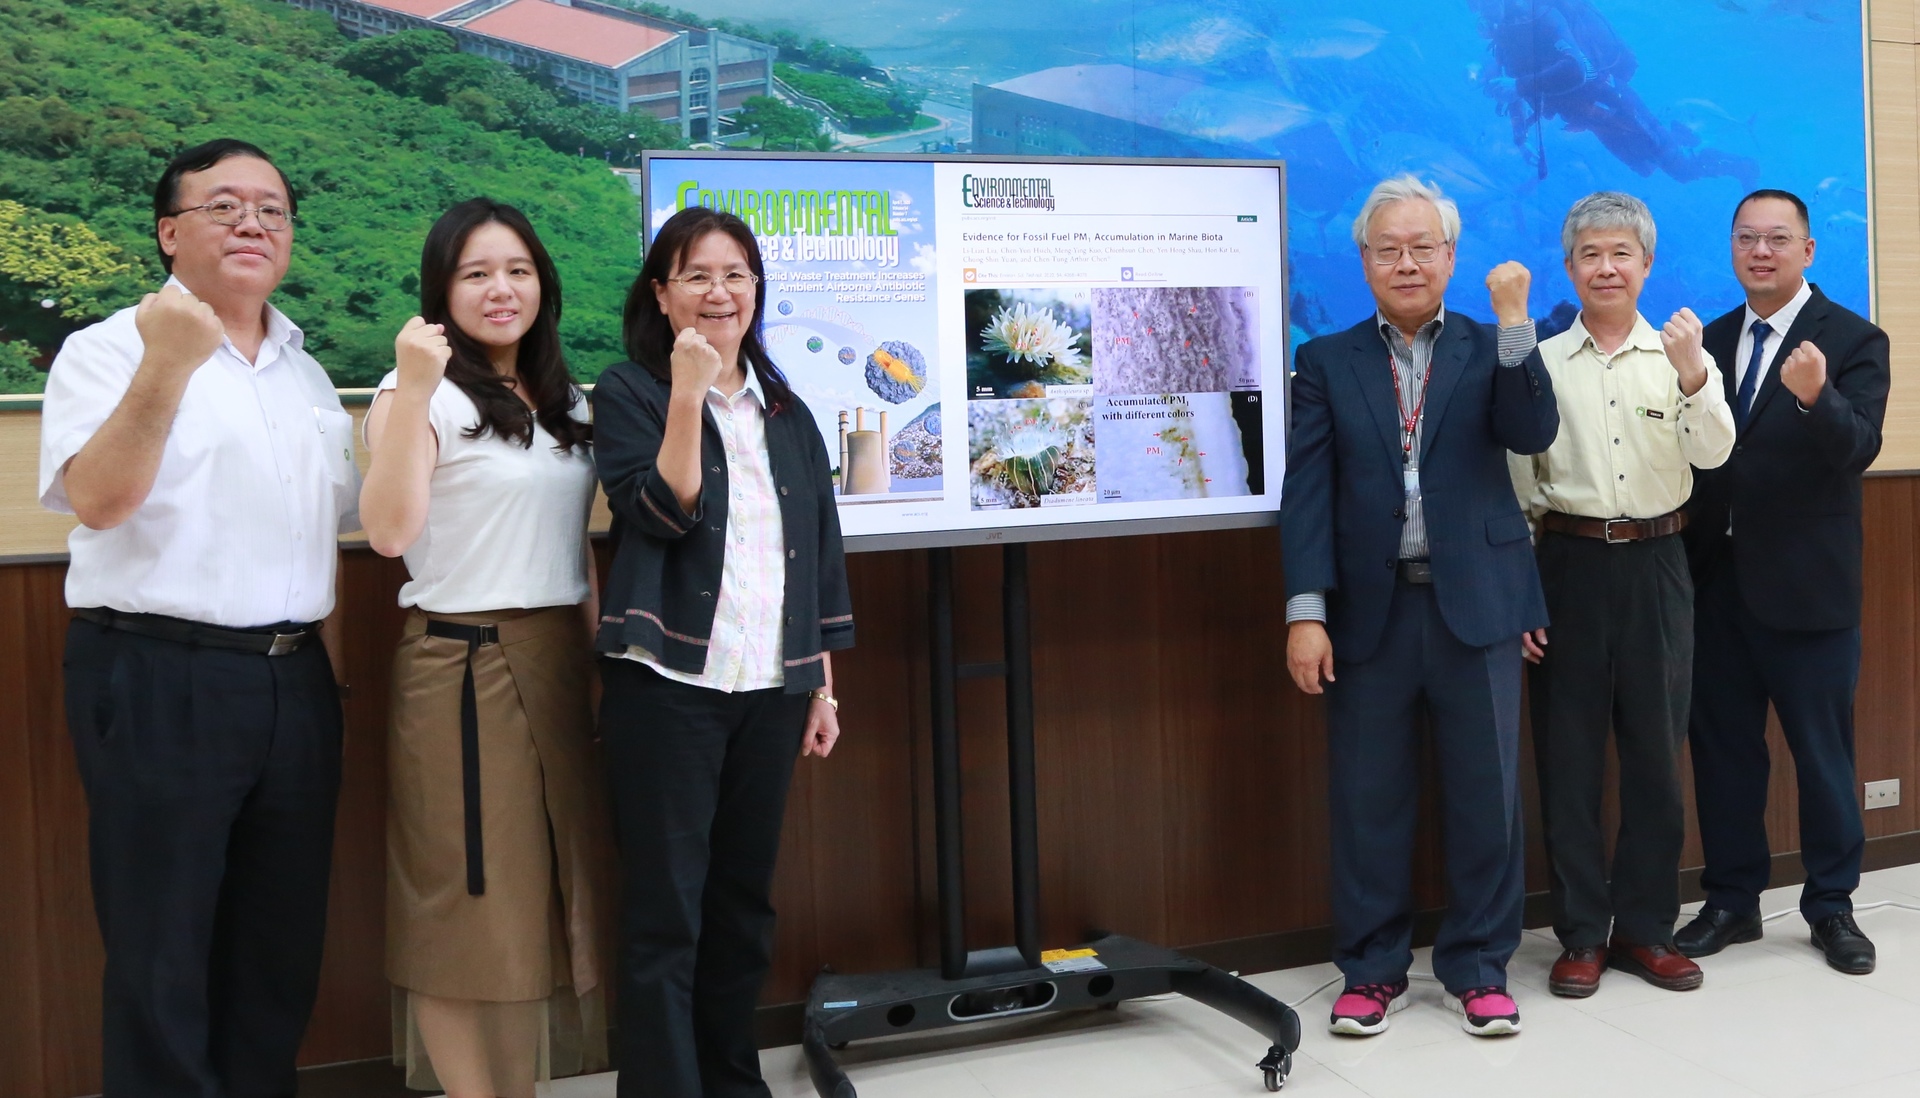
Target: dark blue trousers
(1472,699)
(211,781)
(1740,665)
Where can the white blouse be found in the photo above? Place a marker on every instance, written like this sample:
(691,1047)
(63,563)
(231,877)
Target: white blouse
(506,524)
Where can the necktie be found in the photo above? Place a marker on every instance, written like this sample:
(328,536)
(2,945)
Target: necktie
(1743,401)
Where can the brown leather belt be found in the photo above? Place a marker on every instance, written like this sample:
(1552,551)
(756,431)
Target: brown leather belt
(1614,530)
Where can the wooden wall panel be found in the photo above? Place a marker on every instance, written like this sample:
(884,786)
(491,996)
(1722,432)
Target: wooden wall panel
(1100,699)
(1887,716)
(846,888)
(22,1020)
(1895,113)
(1892,21)
(1243,852)
(68,941)
(1182,792)
(351,1021)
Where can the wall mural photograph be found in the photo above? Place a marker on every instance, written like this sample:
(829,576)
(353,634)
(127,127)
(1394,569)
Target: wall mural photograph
(385,112)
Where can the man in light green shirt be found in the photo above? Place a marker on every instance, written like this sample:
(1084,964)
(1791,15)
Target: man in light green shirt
(1639,409)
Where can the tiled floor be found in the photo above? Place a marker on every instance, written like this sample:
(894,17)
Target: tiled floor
(1772,1021)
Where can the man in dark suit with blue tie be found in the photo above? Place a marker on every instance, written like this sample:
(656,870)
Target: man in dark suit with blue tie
(1774,543)
(1407,554)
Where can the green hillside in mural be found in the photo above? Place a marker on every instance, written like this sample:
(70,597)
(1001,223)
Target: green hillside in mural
(96,95)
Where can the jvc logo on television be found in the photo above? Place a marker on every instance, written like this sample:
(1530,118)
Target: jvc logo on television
(982,192)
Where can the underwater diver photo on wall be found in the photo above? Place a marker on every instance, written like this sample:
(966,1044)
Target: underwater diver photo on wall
(1516,108)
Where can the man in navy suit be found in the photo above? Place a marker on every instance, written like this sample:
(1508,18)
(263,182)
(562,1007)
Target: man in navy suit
(1774,543)
(1407,555)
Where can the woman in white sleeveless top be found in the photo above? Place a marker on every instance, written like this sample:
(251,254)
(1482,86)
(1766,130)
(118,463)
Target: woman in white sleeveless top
(482,478)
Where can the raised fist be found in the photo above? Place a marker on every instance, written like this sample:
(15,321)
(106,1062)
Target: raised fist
(1680,337)
(696,365)
(420,354)
(180,332)
(1804,373)
(1507,285)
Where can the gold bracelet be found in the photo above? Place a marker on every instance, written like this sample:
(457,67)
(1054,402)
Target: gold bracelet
(825,697)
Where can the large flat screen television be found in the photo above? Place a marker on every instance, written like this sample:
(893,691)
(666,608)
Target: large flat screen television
(1020,349)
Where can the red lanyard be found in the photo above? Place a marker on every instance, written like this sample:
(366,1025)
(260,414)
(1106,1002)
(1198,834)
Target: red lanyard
(1408,420)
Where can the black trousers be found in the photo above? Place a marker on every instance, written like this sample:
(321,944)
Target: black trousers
(211,780)
(699,789)
(1810,677)
(1472,698)
(1620,659)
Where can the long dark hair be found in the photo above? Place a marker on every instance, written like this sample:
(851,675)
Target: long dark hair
(647,332)
(542,367)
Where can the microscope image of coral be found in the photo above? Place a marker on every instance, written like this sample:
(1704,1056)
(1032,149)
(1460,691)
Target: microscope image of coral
(1175,340)
(915,449)
(1023,451)
(896,371)
(1021,342)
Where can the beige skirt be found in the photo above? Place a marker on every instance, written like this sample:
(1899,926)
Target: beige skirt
(533,935)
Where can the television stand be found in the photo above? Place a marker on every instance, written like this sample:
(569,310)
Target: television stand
(1010,981)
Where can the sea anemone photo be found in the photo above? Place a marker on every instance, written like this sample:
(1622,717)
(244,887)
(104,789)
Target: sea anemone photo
(1030,453)
(1023,342)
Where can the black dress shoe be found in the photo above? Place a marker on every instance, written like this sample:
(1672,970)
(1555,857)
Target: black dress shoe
(1714,929)
(1848,950)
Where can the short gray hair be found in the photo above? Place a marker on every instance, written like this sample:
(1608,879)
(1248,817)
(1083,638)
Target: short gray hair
(1402,188)
(1608,210)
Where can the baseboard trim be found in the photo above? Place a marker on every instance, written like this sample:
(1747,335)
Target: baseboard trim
(779,1023)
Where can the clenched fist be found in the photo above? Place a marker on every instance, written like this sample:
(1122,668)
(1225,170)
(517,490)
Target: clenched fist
(1507,285)
(696,365)
(420,354)
(180,332)
(1681,339)
(1804,373)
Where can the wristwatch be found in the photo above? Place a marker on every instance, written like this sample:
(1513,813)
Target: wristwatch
(825,697)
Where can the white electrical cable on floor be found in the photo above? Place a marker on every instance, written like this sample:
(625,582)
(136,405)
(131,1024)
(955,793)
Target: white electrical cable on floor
(1857,910)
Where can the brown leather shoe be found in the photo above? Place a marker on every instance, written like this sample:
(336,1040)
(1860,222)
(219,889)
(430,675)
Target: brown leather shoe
(1660,965)
(1576,974)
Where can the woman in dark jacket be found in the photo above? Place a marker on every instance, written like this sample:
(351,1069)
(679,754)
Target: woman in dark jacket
(728,590)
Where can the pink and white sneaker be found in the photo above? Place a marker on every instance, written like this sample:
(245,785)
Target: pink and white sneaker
(1486,1011)
(1361,1010)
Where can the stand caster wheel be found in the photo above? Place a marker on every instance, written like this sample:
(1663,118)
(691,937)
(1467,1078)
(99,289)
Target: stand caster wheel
(1115,1005)
(838,1046)
(1275,1068)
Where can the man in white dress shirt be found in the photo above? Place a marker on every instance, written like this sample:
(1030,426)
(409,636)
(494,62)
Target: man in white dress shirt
(211,467)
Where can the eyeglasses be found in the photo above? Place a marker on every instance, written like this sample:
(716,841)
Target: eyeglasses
(1746,239)
(1388,255)
(230,213)
(736,282)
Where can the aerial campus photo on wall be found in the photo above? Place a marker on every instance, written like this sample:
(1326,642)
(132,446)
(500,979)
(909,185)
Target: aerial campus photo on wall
(386,112)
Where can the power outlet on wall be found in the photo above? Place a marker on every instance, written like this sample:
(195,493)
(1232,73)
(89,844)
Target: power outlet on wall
(1883,794)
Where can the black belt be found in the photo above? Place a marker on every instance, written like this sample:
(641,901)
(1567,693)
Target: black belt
(271,640)
(475,636)
(1416,571)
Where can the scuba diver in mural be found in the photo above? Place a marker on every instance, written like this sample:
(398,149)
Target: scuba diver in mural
(1560,58)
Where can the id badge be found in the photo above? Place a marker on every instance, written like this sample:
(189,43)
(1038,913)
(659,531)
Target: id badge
(1410,483)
